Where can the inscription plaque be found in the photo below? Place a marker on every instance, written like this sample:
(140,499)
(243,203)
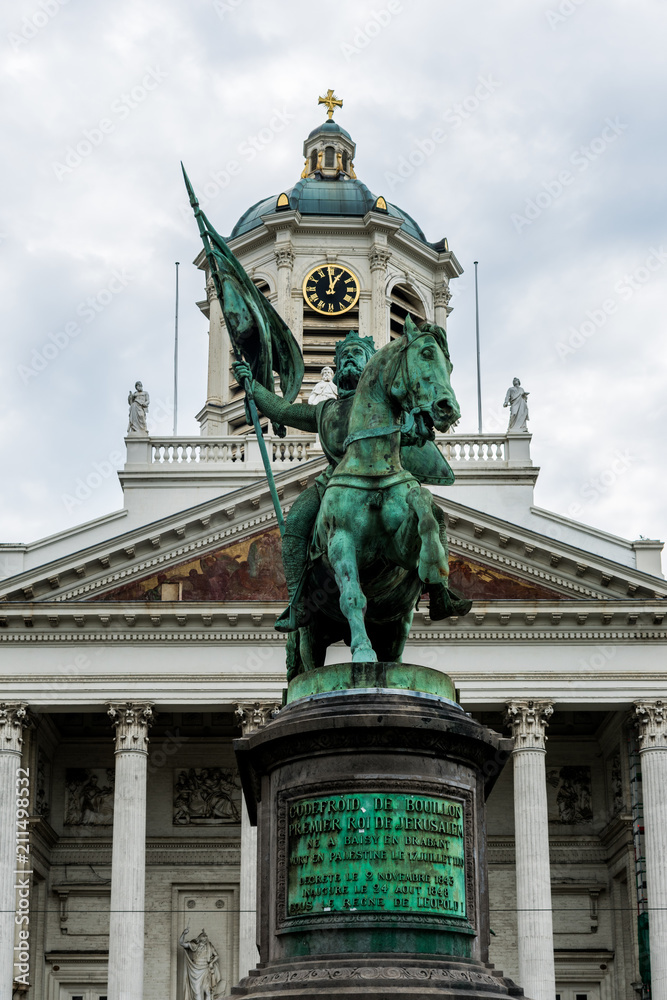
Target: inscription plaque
(376,852)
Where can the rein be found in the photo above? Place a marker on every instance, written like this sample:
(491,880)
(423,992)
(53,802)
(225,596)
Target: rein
(387,429)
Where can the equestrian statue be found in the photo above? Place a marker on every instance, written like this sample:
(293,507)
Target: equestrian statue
(366,540)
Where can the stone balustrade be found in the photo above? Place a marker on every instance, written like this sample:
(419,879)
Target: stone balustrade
(196,450)
(169,454)
(460,450)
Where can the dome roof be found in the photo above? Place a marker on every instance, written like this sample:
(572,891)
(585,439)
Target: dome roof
(330,127)
(312,196)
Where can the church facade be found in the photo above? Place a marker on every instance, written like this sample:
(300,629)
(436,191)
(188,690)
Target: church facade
(136,647)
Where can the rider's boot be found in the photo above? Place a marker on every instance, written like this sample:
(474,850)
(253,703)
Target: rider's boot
(446,603)
(295,555)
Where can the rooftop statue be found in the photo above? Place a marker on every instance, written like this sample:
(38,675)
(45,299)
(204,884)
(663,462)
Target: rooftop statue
(139,402)
(366,539)
(517,400)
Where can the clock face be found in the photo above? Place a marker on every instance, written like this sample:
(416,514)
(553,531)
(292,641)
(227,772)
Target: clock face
(331,289)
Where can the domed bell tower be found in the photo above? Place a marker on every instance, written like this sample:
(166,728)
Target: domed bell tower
(332,257)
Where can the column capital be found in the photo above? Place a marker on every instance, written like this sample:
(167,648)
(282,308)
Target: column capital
(379,258)
(651,721)
(285,257)
(14,718)
(132,721)
(251,715)
(528,721)
(442,296)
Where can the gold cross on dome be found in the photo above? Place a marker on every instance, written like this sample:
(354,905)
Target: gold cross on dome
(331,102)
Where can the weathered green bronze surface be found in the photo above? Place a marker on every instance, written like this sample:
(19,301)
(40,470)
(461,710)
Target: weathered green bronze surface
(372,677)
(374,851)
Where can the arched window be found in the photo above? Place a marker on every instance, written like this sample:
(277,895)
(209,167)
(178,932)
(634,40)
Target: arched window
(404,300)
(345,161)
(313,160)
(329,156)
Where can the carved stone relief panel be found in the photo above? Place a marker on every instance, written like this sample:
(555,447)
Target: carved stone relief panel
(569,794)
(206,796)
(89,796)
(616,796)
(43,785)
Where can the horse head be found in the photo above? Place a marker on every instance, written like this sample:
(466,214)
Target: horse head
(420,383)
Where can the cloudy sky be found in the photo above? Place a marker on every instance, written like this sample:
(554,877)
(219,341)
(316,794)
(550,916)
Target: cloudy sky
(549,169)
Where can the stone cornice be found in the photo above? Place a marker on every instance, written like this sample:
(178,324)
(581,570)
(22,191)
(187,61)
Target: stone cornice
(158,622)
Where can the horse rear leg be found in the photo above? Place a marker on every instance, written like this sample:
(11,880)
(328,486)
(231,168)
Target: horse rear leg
(389,638)
(433,562)
(343,559)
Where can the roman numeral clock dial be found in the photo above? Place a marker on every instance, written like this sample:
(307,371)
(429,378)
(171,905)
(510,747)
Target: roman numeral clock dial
(331,289)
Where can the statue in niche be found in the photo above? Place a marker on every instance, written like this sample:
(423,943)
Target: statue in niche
(139,402)
(573,793)
(202,979)
(325,388)
(87,801)
(517,400)
(205,796)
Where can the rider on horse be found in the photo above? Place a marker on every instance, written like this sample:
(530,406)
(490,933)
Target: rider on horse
(330,419)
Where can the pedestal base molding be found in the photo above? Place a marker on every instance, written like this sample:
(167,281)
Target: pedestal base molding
(405,978)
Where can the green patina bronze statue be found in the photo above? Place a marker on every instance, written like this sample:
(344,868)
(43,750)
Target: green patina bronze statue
(364,542)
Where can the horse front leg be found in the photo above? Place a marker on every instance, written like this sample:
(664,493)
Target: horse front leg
(433,560)
(343,559)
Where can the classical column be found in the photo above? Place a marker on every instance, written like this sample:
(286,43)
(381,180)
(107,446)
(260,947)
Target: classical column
(128,856)
(651,717)
(379,258)
(13,718)
(285,261)
(529,720)
(249,716)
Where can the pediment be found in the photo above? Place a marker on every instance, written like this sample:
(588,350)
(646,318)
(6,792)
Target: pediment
(250,570)
(218,546)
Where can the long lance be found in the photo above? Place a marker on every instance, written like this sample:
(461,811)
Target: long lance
(247,383)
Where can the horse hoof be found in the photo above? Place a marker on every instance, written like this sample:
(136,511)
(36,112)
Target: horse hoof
(365,655)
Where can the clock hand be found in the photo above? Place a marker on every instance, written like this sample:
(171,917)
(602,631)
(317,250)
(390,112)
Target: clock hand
(331,281)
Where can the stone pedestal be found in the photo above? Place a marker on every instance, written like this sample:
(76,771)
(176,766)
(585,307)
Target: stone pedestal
(368,790)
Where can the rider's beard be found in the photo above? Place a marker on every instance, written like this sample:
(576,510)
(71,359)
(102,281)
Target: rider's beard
(349,375)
